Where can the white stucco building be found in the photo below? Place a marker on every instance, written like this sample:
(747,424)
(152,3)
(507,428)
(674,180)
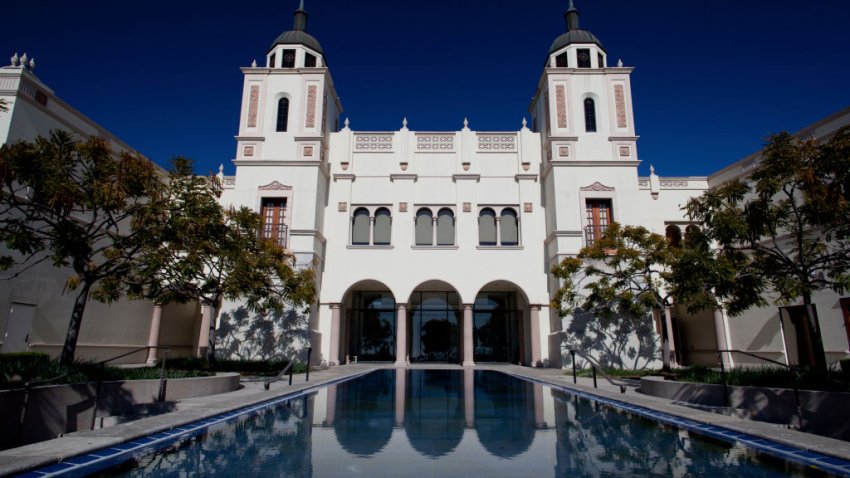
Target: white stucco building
(427,245)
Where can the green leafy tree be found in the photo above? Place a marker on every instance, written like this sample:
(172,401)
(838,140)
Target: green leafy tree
(207,253)
(79,206)
(624,275)
(788,225)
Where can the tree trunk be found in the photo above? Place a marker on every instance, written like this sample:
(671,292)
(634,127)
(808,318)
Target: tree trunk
(211,346)
(665,340)
(813,327)
(70,346)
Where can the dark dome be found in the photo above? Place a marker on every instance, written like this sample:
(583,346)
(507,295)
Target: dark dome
(298,37)
(575,36)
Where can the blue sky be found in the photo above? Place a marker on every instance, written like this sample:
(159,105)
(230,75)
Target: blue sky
(712,78)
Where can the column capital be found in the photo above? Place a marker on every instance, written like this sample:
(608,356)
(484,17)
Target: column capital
(467,306)
(400,305)
(535,306)
(335,305)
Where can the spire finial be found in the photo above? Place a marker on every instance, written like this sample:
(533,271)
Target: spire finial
(571,16)
(300,15)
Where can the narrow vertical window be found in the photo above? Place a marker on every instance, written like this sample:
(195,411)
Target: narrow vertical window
(583,56)
(598,218)
(445,228)
(674,235)
(383,227)
(309,60)
(487,227)
(273,215)
(288,59)
(589,115)
(271,61)
(360,227)
(509,231)
(600,60)
(424,228)
(282,115)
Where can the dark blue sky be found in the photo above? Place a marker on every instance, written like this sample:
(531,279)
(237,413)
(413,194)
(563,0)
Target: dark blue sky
(712,78)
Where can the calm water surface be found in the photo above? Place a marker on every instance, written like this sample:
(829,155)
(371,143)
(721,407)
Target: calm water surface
(421,423)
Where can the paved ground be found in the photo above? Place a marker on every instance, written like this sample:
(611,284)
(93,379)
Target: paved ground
(190,410)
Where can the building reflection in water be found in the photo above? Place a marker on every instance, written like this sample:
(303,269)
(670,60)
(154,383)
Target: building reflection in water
(442,421)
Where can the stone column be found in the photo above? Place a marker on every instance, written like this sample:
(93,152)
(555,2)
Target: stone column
(330,410)
(534,324)
(498,230)
(539,418)
(671,336)
(371,230)
(401,336)
(400,391)
(153,337)
(333,353)
(522,322)
(720,332)
(204,334)
(468,361)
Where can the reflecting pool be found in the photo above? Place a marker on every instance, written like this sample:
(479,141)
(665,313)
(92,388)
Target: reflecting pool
(449,423)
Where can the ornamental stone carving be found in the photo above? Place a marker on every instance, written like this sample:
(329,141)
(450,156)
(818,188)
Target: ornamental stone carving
(342,207)
(597,187)
(435,142)
(564,151)
(527,207)
(624,151)
(308,151)
(253,102)
(620,105)
(561,105)
(311,107)
(402,207)
(248,151)
(674,183)
(496,142)
(373,143)
(274,186)
(467,207)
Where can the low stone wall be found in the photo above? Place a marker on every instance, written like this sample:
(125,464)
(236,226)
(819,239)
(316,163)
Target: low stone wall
(57,409)
(824,413)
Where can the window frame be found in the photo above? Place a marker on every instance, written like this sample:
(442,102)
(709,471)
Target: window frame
(590,120)
(282,126)
(371,211)
(589,223)
(278,230)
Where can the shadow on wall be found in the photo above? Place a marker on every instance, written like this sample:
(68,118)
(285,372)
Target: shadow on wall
(618,341)
(245,335)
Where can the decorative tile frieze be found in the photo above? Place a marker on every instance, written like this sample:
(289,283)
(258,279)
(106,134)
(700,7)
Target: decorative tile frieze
(497,142)
(373,143)
(620,105)
(561,105)
(310,121)
(435,142)
(674,183)
(253,104)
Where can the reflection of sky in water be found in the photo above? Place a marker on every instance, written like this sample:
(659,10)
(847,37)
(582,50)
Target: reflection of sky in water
(449,423)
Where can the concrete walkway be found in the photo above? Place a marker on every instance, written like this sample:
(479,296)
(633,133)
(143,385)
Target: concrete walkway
(49,452)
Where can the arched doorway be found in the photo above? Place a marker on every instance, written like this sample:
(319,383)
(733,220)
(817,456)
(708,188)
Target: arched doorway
(500,329)
(370,323)
(434,323)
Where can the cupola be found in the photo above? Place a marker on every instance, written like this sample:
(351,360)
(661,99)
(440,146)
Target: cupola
(576,48)
(295,48)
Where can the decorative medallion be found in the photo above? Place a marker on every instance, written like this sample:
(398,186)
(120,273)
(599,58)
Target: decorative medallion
(465,166)
(624,151)
(402,207)
(564,151)
(525,166)
(342,207)
(597,187)
(344,166)
(248,151)
(403,165)
(308,151)
(527,207)
(275,186)
(467,207)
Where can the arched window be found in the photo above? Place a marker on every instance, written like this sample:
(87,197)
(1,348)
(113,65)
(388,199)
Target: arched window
(445,227)
(360,227)
(282,115)
(673,235)
(487,227)
(509,230)
(424,228)
(589,115)
(383,226)
(692,233)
